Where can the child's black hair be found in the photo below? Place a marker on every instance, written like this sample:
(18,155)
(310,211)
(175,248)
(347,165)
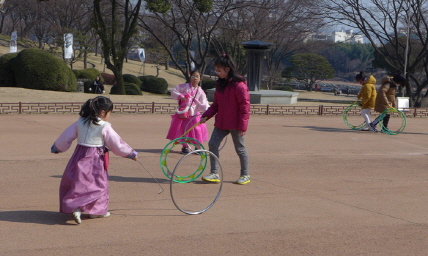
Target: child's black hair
(399,79)
(92,108)
(225,61)
(193,72)
(360,77)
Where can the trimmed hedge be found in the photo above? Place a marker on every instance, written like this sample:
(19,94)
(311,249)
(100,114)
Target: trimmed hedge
(36,69)
(128,78)
(284,88)
(89,73)
(153,84)
(130,89)
(208,84)
(86,85)
(7,78)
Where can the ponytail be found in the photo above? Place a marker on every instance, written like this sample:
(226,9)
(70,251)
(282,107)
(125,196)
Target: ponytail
(360,77)
(92,108)
(225,61)
(399,79)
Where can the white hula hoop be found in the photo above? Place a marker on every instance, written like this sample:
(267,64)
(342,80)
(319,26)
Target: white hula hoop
(219,189)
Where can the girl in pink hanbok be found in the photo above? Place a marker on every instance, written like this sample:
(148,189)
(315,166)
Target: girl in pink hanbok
(192,102)
(84,184)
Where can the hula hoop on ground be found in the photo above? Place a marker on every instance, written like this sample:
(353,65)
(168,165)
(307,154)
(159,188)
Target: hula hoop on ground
(391,112)
(201,152)
(164,157)
(345,117)
(185,128)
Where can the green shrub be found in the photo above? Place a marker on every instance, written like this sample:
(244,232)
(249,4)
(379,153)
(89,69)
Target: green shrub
(128,78)
(208,84)
(145,79)
(284,88)
(114,89)
(86,85)
(37,69)
(130,89)
(89,73)
(153,84)
(7,78)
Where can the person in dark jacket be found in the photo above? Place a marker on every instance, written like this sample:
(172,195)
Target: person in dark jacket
(97,86)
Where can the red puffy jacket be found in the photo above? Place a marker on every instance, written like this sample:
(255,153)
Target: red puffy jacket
(232,107)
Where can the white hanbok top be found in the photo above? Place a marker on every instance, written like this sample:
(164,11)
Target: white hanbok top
(195,94)
(91,135)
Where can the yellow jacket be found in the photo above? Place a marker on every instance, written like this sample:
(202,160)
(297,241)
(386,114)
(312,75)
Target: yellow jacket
(368,93)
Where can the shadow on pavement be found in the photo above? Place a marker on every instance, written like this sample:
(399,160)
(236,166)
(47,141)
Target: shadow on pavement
(127,179)
(332,129)
(38,217)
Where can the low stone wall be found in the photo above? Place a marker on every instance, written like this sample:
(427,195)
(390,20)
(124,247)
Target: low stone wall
(170,108)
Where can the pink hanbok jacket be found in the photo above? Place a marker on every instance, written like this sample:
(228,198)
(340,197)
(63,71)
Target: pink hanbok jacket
(200,102)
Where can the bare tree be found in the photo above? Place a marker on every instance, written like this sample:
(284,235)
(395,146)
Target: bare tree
(115,22)
(74,17)
(385,23)
(193,24)
(284,24)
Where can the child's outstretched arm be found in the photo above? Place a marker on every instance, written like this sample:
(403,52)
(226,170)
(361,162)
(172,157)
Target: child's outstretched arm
(115,144)
(64,141)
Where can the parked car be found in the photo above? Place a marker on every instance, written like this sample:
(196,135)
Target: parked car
(326,89)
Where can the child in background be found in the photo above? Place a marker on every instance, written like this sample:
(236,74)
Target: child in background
(193,100)
(84,184)
(386,98)
(231,107)
(368,96)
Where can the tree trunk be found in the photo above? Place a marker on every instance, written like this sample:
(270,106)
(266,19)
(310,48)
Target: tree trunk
(2,24)
(85,59)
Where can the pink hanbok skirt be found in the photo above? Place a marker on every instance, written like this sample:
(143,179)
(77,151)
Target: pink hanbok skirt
(84,183)
(179,126)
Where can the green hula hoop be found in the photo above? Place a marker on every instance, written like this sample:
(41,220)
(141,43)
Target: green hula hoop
(164,163)
(350,108)
(393,112)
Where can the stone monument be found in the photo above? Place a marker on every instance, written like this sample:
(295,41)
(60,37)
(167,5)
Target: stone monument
(255,55)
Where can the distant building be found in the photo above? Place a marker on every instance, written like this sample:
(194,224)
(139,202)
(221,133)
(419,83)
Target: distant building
(346,36)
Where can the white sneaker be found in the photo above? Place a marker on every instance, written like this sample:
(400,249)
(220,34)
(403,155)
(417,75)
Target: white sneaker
(244,179)
(99,216)
(76,215)
(365,129)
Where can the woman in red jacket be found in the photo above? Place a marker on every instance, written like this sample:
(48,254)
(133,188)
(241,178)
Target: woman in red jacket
(231,107)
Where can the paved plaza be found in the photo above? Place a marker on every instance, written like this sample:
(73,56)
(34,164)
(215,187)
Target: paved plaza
(317,188)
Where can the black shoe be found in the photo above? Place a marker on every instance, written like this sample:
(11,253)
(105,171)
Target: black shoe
(185,151)
(373,127)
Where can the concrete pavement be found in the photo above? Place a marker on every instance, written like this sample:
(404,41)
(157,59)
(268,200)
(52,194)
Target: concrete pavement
(317,188)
